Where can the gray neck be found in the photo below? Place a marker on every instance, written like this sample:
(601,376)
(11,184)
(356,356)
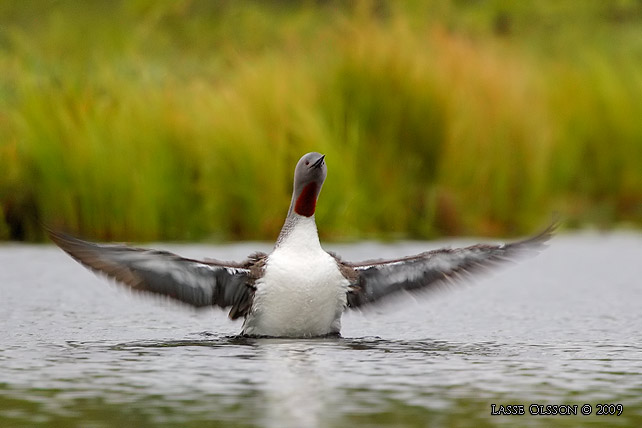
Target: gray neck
(294,218)
(290,221)
(299,234)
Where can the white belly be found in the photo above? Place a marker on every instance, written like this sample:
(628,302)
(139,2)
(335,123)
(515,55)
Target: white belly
(301,294)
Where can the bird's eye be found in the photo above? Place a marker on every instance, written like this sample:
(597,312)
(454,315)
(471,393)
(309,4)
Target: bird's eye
(307,162)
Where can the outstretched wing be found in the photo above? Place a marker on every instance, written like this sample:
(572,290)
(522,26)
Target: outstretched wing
(196,283)
(375,280)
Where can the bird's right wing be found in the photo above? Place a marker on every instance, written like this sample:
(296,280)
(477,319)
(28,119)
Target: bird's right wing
(375,280)
(196,283)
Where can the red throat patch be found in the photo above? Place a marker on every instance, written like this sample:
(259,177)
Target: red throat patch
(307,201)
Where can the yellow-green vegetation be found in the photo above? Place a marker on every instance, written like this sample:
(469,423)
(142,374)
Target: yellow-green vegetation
(183,119)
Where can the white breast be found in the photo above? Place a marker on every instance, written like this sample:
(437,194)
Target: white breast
(302,292)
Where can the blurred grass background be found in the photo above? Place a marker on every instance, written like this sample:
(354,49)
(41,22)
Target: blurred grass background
(183,119)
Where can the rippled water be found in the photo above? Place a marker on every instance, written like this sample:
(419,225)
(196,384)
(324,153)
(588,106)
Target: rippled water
(561,328)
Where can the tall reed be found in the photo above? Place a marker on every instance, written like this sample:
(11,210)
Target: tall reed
(183,120)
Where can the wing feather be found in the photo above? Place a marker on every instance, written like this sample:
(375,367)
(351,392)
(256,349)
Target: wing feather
(193,282)
(375,280)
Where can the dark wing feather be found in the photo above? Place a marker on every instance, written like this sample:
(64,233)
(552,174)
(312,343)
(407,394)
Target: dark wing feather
(196,283)
(375,280)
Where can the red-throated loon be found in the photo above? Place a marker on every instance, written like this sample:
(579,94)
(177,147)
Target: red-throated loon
(299,289)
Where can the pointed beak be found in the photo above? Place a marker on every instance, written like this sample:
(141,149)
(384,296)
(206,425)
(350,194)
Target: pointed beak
(318,163)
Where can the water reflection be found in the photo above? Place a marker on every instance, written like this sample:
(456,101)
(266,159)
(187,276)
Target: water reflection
(303,382)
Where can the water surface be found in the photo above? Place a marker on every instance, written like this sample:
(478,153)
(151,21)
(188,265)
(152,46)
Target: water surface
(561,328)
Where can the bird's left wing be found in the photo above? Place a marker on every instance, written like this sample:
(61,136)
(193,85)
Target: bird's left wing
(375,280)
(196,283)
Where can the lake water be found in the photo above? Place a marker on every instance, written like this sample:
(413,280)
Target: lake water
(561,328)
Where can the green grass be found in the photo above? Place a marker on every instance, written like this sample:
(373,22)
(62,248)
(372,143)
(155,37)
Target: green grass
(143,120)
